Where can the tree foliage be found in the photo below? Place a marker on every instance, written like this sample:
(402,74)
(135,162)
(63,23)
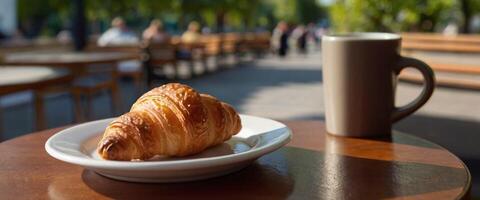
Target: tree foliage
(297,11)
(54,15)
(393,15)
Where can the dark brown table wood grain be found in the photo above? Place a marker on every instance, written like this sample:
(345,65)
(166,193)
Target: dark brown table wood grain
(312,166)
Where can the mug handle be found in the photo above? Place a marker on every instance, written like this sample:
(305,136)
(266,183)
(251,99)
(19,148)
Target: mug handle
(428,76)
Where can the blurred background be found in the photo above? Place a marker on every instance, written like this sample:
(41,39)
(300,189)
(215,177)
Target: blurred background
(50,17)
(47,18)
(66,62)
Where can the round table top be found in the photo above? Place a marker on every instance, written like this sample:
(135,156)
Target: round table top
(66,58)
(16,78)
(313,165)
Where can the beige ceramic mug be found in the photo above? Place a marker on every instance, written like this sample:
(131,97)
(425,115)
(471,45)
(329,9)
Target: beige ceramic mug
(360,74)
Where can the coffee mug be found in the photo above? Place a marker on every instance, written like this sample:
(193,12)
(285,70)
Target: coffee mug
(359,74)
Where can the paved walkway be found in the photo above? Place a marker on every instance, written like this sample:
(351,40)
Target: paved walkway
(292,88)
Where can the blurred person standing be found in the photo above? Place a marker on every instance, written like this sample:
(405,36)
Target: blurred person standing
(299,35)
(192,34)
(155,32)
(311,30)
(279,40)
(118,34)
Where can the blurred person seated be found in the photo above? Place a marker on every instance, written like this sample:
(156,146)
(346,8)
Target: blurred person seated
(192,34)
(118,34)
(311,29)
(206,30)
(451,29)
(155,32)
(64,37)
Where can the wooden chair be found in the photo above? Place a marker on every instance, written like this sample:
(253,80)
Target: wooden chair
(230,47)
(261,43)
(212,50)
(131,69)
(191,53)
(450,74)
(156,56)
(91,83)
(1,125)
(256,43)
(445,79)
(248,43)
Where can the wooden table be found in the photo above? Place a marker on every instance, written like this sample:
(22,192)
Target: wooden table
(74,61)
(20,78)
(81,65)
(313,166)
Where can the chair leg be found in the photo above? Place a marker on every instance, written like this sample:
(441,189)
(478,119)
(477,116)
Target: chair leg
(78,111)
(204,64)
(175,70)
(215,63)
(192,68)
(39,111)
(148,73)
(137,81)
(89,109)
(1,124)
(116,102)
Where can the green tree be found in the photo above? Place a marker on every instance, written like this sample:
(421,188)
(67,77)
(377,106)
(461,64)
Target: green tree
(469,8)
(297,11)
(391,15)
(35,16)
(51,16)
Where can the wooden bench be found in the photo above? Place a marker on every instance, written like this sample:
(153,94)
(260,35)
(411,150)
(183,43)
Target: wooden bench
(213,50)
(450,74)
(211,46)
(230,47)
(261,43)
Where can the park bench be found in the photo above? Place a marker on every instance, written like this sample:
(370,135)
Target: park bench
(260,44)
(209,51)
(255,43)
(230,47)
(447,55)
(213,50)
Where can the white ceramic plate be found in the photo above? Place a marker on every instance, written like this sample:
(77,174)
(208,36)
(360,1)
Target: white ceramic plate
(259,136)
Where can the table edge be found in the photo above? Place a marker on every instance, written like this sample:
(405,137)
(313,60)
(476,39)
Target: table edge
(463,195)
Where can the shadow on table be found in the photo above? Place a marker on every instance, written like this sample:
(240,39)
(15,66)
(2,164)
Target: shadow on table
(299,173)
(264,178)
(459,136)
(333,176)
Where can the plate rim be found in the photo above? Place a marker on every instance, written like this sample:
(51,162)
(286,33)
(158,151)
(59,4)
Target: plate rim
(171,164)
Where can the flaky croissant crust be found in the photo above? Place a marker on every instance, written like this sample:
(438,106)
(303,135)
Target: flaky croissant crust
(171,120)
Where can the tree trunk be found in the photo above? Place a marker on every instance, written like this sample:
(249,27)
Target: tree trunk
(220,21)
(466,16)
(78,24)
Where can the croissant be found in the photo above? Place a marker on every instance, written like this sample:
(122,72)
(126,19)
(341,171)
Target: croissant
(171,120)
